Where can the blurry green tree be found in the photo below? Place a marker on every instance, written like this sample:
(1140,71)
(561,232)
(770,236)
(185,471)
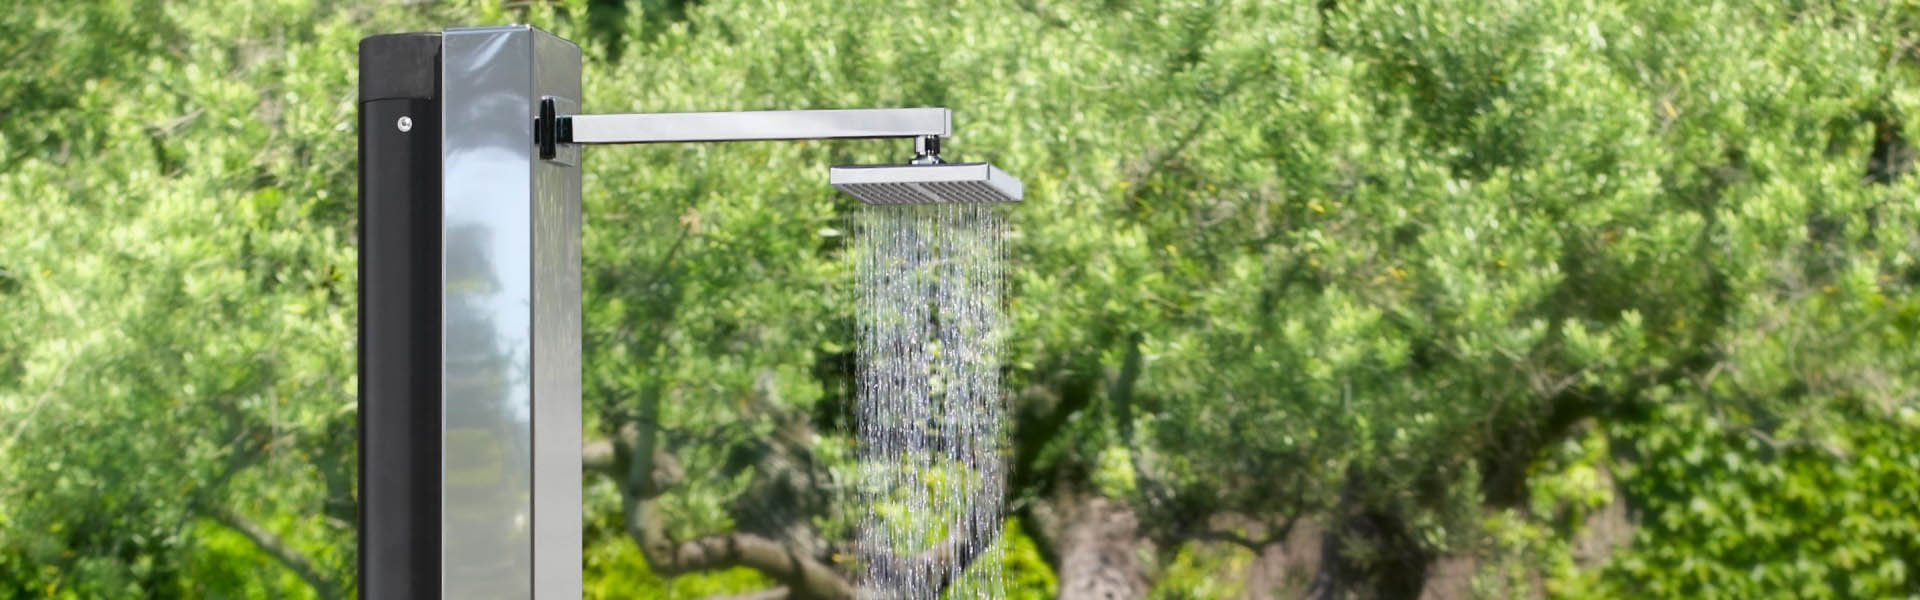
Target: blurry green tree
(1370,299)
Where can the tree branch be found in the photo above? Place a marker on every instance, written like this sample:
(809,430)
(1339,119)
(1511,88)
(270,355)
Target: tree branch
(805,577)
(779,593)
(1272,534)
(646,471)
(299,563)
(597,458)
(939,565)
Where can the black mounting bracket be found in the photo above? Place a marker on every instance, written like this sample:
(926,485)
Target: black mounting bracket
(546,130)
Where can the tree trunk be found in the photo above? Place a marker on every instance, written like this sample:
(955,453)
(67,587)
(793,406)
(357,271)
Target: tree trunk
(1094,543)
(1285,568)
(1369,554)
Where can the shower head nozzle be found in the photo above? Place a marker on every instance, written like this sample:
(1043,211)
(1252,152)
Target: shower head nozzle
(947,183)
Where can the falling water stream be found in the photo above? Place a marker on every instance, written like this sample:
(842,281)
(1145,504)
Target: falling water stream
(931,421)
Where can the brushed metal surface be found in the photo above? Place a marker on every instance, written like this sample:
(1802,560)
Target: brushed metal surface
(556,336)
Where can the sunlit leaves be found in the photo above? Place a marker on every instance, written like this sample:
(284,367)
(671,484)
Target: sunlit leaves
(1356,243)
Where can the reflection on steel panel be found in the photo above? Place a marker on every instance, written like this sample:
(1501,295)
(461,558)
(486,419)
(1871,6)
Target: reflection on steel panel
(510,496)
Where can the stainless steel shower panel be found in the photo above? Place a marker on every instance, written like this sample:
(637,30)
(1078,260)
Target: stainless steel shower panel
(647,128)
(510,489)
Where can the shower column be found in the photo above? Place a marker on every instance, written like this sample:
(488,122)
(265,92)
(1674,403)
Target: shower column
(470,318)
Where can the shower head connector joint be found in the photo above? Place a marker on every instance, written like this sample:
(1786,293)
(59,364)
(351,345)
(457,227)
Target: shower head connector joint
(926,150)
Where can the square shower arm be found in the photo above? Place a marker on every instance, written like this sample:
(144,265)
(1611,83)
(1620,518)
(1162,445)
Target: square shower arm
(653,128)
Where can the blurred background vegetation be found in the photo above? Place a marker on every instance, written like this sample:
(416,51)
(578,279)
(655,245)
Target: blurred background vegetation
(1332,298)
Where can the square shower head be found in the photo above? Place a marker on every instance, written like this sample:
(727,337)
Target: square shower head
(965,183)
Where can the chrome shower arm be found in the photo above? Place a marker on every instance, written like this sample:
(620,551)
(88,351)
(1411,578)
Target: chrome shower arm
(652,128)
(925,178)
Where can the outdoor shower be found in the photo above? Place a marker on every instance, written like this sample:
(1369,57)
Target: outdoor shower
(470,288)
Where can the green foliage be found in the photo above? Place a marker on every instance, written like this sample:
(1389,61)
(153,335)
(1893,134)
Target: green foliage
(1028,577)
(1719,511)
(177,315)
(1197,571)
(225,564)
(614,567)
(1472,270)
(1735,513)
